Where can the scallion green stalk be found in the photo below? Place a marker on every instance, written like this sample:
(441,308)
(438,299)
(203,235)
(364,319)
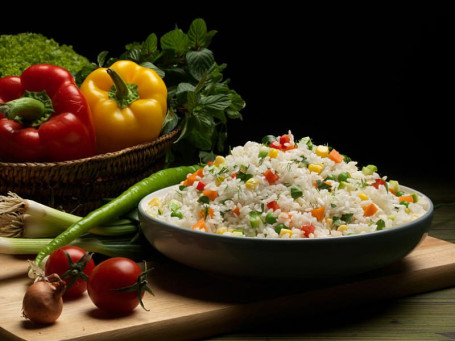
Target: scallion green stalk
(29,219)
(107,247)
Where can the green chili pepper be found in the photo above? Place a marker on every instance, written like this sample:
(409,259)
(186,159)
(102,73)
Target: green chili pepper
(119,206)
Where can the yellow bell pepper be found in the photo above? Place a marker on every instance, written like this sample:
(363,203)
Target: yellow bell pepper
(128,103)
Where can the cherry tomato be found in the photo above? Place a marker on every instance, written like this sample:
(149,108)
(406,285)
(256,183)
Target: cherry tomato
(117,285)
(74,273)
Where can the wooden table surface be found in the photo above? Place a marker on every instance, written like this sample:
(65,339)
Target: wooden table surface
(427,316)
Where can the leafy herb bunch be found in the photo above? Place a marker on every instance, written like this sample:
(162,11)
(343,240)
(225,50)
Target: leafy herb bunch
(200,101)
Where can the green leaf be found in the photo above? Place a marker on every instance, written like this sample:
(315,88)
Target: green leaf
(175,40)
(155,68)
(296,191)
(181,93)
(150,45)
(170,122)
(197,33)
(101,58)
(203,199)
(183,88)
(237,102)
(215,102)
(191,101)
(199,62)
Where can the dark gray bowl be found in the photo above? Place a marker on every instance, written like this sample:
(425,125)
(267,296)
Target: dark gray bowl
(284,258)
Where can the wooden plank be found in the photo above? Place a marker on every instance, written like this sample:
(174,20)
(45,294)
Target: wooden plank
(192,304)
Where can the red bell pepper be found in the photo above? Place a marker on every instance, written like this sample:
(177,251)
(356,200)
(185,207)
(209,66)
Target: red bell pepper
(44,117)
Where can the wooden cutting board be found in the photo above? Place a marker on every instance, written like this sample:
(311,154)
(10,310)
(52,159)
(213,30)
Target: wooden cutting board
(189,304)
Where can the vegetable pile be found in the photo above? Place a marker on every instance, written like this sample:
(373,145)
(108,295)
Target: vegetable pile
(57,106)
(116,284)
(200,101)
(154,87)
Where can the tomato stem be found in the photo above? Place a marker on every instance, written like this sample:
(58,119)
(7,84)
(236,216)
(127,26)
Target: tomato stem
(76,269)
(140,286)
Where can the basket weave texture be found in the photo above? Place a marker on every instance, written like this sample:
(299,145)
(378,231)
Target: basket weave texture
(81,186)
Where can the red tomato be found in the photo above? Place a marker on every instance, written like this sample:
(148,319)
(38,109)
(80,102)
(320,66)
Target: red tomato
(378,182)
(273,205)
(76,271)
(111,275)
(200,186)
(285,139)
(307,229)
(275,144)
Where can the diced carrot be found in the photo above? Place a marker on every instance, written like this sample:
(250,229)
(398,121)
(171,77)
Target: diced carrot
(318,213)
(335,156)
(200,225)
(407,198)
(203,214)
(236,210)
(191,178)
(271,176)
(212,195)
(369,210)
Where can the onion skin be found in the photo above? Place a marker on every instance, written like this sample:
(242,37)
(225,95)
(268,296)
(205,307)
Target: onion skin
(43,302)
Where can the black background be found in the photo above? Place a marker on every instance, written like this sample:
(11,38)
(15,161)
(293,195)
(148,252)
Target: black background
(379,89)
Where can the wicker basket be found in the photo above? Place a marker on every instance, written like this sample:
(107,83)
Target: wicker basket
(80,186)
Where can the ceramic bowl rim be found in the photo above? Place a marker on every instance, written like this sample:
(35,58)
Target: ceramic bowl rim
(256,240)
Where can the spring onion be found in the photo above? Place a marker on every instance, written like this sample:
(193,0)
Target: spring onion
(113,247)
(30,219)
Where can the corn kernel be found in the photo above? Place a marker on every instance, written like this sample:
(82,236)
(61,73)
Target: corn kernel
(219,160)
(221,230)
(219,180)
(363,196)
(322,151)
(154,202)
(342,228)
(328,223)
(252,183)
(285,231)
(407,210)
(273,153)
(315,167)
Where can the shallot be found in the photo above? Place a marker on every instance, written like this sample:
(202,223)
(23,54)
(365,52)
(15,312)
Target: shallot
(43,302)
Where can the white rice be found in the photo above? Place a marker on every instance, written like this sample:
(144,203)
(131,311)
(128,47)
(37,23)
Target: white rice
(343,200)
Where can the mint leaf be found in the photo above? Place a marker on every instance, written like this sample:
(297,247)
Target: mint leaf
(170,121)
(101,58)
(199,62)
(197,33)
(184,88)
(215,102)
(155,68)
(150,45)
(175,40)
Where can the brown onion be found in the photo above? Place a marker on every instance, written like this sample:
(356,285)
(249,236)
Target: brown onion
(43,301)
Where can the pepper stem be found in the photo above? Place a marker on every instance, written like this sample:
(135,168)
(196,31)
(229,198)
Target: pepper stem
(23,109)
(122,92)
